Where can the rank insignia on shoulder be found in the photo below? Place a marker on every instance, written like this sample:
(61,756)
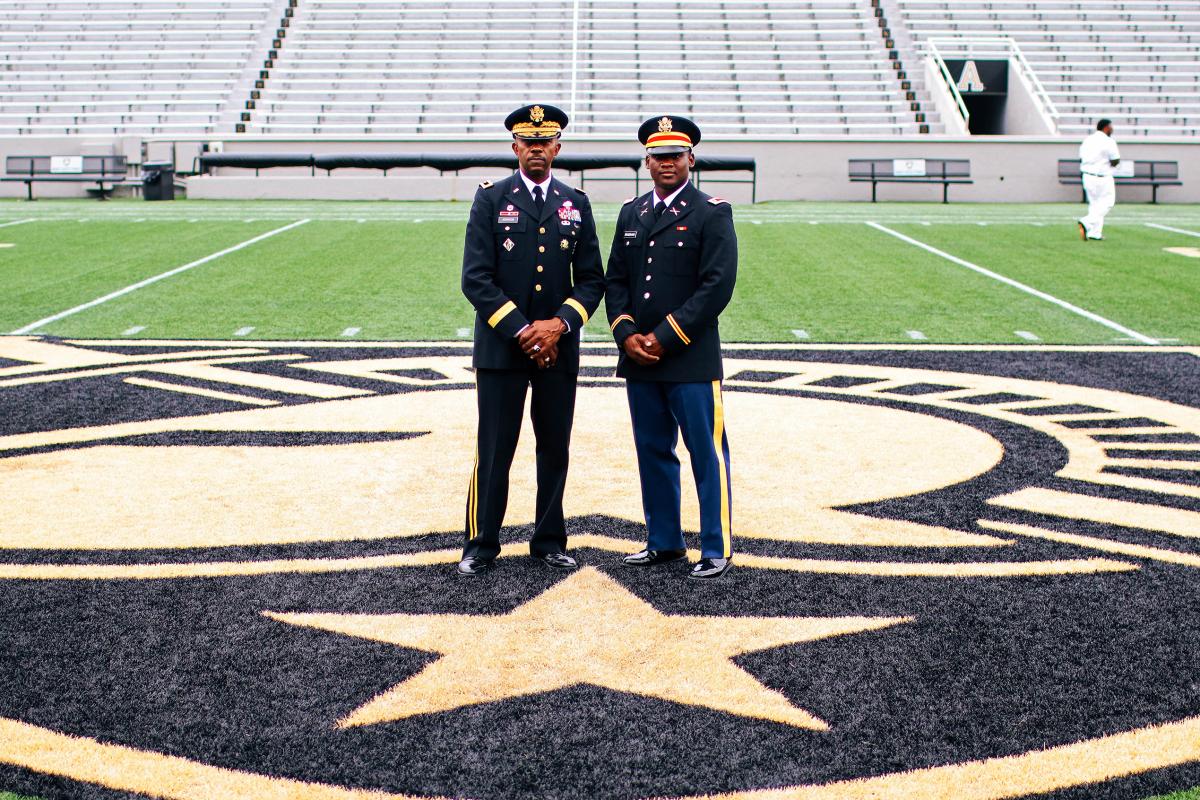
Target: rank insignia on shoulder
(485,184)
(716,201)
(581,191)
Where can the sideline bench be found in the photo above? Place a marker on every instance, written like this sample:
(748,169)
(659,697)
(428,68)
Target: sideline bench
(1145,173)
(99,170)
(454,162)
(911,170)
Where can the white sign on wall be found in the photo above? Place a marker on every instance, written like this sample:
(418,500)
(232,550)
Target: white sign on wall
(66,165)
(908,167)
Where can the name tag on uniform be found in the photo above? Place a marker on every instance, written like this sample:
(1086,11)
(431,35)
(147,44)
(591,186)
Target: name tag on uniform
(509,217)
(631,234)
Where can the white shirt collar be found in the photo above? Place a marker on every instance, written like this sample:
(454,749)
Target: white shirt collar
(529,184)
(669,198)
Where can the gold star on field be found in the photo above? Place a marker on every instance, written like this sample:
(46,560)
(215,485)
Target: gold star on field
(586,629)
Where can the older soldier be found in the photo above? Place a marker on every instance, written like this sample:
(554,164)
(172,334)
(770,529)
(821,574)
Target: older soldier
(531,267)
(1098,154)
(670,274)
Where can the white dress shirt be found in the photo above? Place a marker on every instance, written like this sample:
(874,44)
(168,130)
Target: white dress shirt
(529,184)
(1097,153)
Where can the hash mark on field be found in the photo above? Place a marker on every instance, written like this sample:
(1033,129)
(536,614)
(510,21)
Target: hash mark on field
(800,333)
(351,331)
(15,222)
(917,335)
(756,222)
(244,331)
(1172,230)
(31,327)
(1032,337)
(134,331)
(464,333)
(1108,323)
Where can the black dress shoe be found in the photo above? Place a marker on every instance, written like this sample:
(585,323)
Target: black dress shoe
(556,560)
(473,565)
(707,569)
(649,558)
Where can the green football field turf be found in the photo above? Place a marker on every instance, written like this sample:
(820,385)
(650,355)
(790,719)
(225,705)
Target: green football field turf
(815,272)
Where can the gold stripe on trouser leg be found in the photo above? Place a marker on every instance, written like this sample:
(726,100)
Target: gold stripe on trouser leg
(718,444)
(473,501)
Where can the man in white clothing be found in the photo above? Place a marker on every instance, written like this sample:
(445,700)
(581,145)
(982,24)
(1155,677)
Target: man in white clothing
(1097,156)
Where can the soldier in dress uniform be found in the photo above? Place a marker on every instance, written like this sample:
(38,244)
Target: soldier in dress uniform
(532,270)
(671,272)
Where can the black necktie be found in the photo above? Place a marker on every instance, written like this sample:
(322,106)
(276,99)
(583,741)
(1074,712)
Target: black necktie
(539,199)
(659,209)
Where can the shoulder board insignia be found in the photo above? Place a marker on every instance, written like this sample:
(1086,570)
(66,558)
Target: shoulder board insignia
(485,184)
(630,200)
(581,191)
(716,201)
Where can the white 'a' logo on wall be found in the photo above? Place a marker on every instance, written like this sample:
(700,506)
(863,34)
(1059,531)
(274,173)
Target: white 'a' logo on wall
(970,81)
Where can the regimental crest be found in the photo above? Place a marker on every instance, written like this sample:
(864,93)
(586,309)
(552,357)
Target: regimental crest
(664,125)
(537,114)
(992,547)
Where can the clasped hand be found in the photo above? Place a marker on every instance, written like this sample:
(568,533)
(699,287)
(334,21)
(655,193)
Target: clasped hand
(644,349)
(539,341)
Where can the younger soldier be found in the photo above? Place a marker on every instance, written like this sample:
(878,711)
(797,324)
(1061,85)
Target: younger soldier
(671,272)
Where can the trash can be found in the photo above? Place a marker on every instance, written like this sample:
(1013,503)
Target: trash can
(158,180)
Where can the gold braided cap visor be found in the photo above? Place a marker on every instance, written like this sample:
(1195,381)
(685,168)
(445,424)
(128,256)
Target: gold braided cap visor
(531,130)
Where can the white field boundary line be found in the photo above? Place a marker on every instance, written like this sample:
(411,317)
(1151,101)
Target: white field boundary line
(1074,309)
(1169,229)
(16,222)
(33,326)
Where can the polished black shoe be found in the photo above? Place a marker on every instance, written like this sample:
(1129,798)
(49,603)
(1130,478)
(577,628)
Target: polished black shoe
(473,565)
(556,560)
(650,558)
(707,569)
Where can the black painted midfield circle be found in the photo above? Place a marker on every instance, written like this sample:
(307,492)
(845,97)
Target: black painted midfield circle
(990,666)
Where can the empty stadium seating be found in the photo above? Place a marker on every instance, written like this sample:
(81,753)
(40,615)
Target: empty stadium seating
(745,67)
(453,68)
(125,66)
(1134,61)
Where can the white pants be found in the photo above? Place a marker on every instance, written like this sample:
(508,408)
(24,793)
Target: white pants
(1102,196)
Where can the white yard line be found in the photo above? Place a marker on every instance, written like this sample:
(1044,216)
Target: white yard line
(1074,309)
(1026,335)
(16,222)
(799,333)
(134,331)
(918,335)
(246,331)
(1172,230)
(351,331)
(33,326)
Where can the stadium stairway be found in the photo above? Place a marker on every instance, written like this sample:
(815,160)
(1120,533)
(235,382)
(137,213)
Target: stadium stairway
(1133,61)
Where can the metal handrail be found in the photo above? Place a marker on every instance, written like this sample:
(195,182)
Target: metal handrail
(1006,47)
(951,84)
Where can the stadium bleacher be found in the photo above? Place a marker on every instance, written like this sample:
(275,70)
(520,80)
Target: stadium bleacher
(761,68)
(126,66)
(771,67)
(1134,61)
